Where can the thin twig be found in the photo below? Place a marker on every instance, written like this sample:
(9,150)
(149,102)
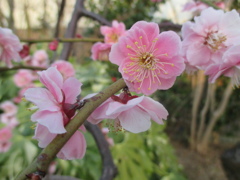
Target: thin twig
(92,40)
(210,4)
(109,170)
(41,163)
(2,69)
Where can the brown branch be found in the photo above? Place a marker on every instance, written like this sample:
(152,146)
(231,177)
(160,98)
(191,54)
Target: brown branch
(92,40)
(109,170)
(196,102)
(96,17)
(209,3)
(170,26)
(71,30)
(41,163)
(78,12)
(59,19)
(2,69)
(216,115)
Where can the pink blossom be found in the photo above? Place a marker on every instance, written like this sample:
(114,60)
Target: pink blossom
(18,99)
(40,59)
(23,78)
(53,45)
(5,136)
(56,107)
(9,46)
(206,40)
(131,113)
(229,67)
(198,6)
(100,51)
(65,68)
(148,60)
(10,120)
(111,34)
(25,51)
(9,108)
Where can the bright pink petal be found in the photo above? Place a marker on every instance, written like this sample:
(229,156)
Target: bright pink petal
(43,136)
(52,120)
(168,43)
(151,29)
(71,88)
(53,80)
(115,108)
(42,98)
(135,120)
(156,110)
(75,147)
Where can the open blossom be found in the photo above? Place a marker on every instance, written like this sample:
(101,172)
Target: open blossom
(53,45)
(100,51)
(5,136)
(9,108)
(40,58)
(229,67)
(56,106)
(25,51)
(206,40)
(65,68)
(8,116)
(111,34)
(198,6)
(131,113)
(9,46)
(24,78)
(148,60)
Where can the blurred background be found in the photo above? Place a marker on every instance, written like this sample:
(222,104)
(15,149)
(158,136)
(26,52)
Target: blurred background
(166,152)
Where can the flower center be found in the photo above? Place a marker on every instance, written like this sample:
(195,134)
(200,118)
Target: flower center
(145,63)
(215,41)
(113,37)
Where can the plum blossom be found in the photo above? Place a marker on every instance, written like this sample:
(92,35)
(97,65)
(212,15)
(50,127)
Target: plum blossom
(5,136)
(53,45)
(25,51)
(148,60)
(9,108)
(131,113)
(10,46)
(100,51)
(206,39)
(198,6)
(56,106)
(229,67)
(65,68)
(8,116)
(40,58)
(24,78)
(111,34)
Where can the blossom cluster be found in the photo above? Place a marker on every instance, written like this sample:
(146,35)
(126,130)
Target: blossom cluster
(9,120)
(100,51)
(212,44)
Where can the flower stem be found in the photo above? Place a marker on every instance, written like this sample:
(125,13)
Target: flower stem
(2,69)
(210,4)
(41,163)
(62,40)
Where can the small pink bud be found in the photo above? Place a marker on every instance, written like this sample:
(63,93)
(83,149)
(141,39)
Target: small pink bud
(78,35)
(25,51)
(53,45)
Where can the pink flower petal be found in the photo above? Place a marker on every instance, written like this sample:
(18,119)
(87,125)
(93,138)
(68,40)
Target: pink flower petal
(42,98)
(71,88)
(75,148)
(52,120)
(53,80)
(135,120)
